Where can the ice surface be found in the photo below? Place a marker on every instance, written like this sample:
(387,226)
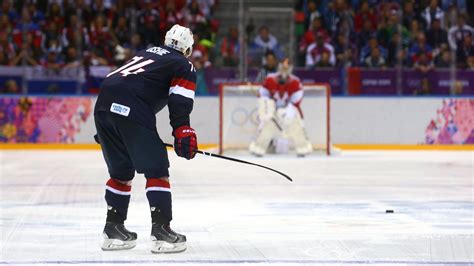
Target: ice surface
(52,210)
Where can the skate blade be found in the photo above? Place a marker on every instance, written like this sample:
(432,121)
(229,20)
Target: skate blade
(165,247)
(116,244)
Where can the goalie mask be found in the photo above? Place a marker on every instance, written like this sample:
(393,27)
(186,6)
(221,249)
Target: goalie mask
(180,38)
(284,71)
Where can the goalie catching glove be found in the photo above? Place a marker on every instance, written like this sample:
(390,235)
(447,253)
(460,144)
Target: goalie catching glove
(185,142)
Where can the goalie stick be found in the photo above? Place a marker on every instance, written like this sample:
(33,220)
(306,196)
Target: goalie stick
(237,160)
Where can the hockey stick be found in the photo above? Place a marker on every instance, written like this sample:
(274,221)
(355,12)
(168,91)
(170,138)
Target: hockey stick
(237,160)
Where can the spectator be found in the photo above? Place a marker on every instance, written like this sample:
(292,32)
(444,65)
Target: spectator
(51,33)
(393,49)
(444,60)
(450,16)
(415,30)
(36,15)
(365,14)
(172,15)
(385,9)
(122,55)
(464,51)
(200,45)
(344,29)
(29,53)
(72,57)
(52,61)
(367,50)
(6,48)
(265,42)
(432,12)
(375,60)
(85,11)
(389,28)
(419,48)
(200,63)
(436,36)
(101,39)
(26,57)
(458,33)
(200,60)
(409,14)
(28,26)
(310,36)
(424,88)
(99,9)
(4,60)
(229,48)
(344,51)
(338,11)
(270,66)
(325,60)
(26,23)
(121,31)
(11,87)
(136,43)
(5,24)
(470,62)
(424,64)
(316,49)
(365,34)
(149,21)
(195,17)
(312,13)
(8,10)
(461,5)
(75,34)
(54,16)
(206,6)
(93,59)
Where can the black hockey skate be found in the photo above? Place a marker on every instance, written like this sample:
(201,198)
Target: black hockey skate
(117,237)
(165,240)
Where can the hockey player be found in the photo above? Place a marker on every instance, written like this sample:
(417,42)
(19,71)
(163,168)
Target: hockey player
(129,98)
(280,114)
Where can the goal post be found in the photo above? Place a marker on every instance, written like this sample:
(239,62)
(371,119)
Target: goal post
(238,115)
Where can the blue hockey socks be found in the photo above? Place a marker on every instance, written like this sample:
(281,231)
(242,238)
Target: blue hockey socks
(117,196)
(158,192)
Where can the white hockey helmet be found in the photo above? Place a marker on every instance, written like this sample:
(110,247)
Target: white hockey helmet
(180,38)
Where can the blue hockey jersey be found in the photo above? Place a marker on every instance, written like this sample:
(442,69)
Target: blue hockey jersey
(148,82)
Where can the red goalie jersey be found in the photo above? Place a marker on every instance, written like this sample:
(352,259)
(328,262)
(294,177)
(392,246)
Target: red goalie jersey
(283,92)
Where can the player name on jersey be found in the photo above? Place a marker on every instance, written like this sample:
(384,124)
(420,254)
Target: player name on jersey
(157,50)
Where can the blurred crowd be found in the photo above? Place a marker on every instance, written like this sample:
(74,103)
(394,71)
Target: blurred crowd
(369,33)
(421,34)
(63,33)
(385,33)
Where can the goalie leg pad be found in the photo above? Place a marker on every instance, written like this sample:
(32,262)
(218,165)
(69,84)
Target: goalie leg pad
(264,137)
(266,109)
(294,130)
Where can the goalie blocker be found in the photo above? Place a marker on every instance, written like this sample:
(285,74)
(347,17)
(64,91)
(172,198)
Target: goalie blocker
(280,115)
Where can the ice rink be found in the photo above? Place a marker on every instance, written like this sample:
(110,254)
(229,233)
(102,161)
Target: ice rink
(52,210)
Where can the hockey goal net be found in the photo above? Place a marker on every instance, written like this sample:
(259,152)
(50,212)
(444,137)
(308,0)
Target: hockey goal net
(238,115)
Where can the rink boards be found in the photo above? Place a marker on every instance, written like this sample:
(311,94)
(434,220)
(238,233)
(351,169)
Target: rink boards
(354,120)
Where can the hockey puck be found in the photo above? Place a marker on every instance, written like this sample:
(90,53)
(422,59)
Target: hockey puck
(388,211)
